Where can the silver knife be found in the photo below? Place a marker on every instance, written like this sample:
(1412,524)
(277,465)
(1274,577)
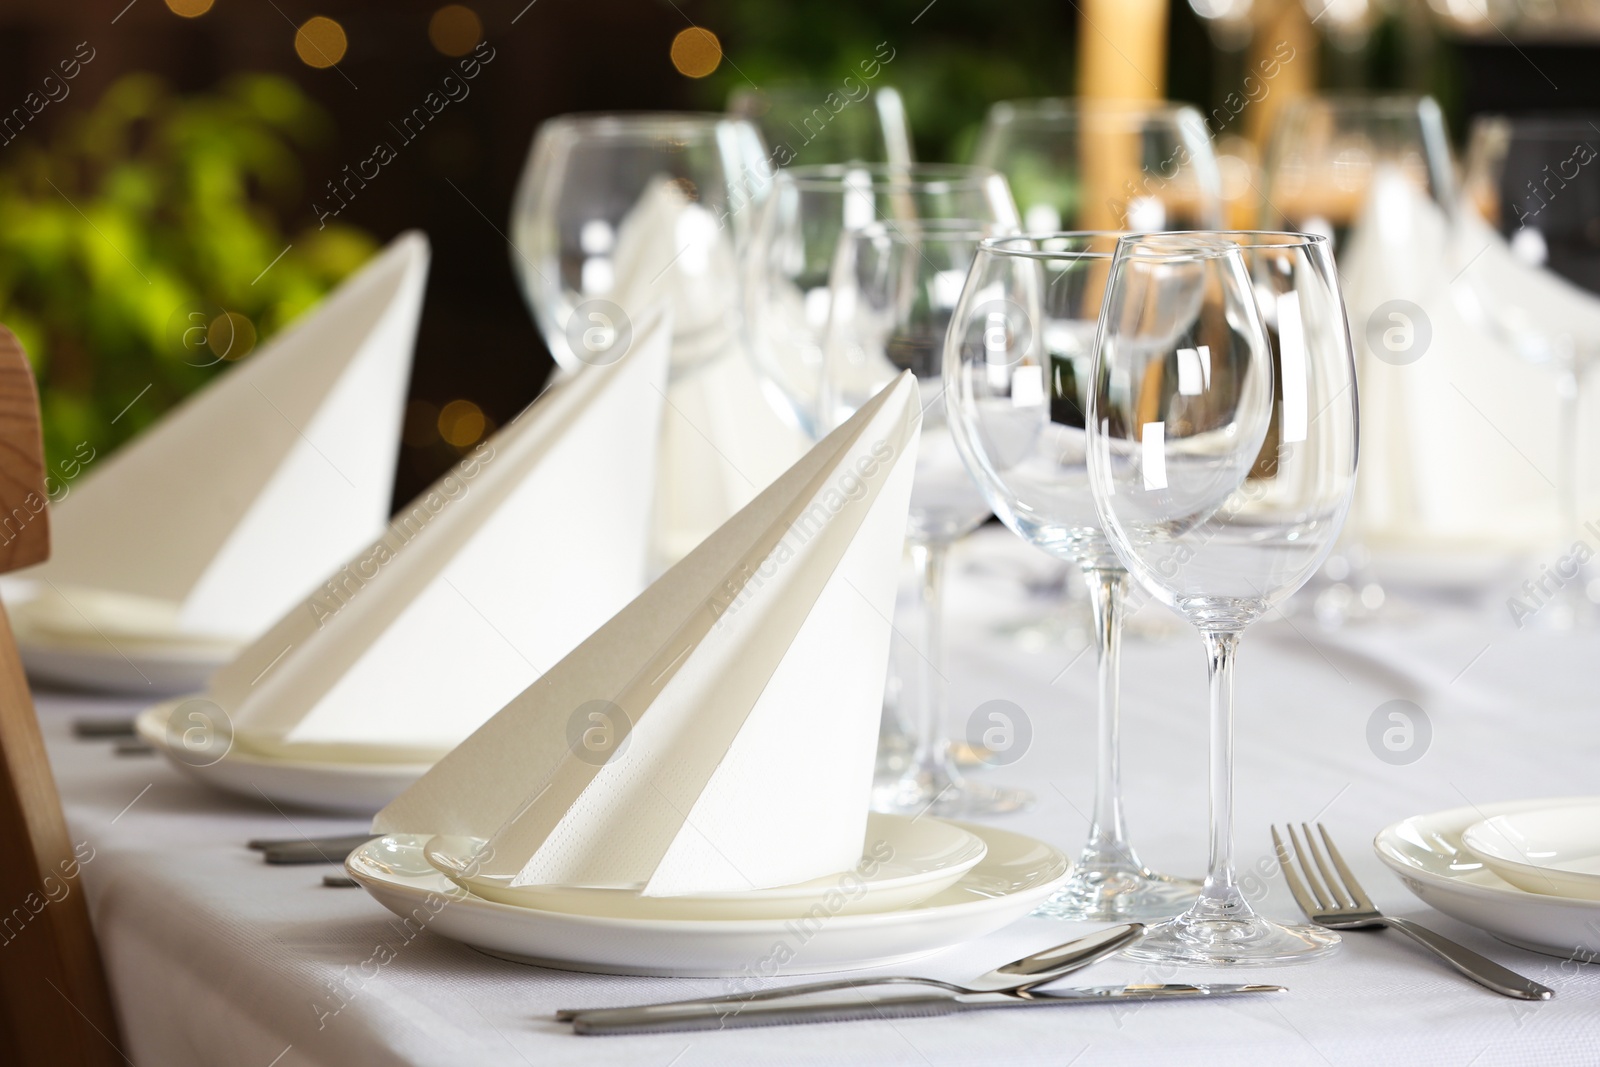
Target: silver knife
(667,1018)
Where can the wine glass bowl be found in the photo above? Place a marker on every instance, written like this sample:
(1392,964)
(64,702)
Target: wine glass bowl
(1019,360)
(1083,164)
(893,288)
(1222,435)
(616,210)
(811,208)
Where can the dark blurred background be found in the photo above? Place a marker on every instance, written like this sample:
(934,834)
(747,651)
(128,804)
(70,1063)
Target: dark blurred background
(204,173)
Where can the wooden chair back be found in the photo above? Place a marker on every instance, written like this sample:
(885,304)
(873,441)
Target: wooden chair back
(55,1006)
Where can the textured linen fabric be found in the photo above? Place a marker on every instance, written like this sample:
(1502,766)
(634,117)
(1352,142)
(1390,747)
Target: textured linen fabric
(217,958)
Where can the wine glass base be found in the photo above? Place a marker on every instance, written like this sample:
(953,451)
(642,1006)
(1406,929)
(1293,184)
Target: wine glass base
(954,800)
(1250,941)
(1118,896)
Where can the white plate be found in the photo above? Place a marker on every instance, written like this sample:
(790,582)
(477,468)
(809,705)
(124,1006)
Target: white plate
(147,670)
(1427,853)
(60,646)
(1015,875)
(904,860)
(1555,851)
(345,788)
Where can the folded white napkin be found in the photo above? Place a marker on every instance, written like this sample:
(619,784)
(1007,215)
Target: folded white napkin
(1456,445)
(721,442)
(719,733)
(222,515)
(480,584)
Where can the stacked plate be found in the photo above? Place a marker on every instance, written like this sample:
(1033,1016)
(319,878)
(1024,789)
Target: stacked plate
(1526,871)
(922,885)
(112,642)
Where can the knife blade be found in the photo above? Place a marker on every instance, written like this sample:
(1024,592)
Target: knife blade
(653,1019)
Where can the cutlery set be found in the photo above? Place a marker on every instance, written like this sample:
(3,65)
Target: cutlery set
(1323,886)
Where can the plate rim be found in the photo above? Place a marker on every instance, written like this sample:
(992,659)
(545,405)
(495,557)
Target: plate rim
(244,757)
(806,889)
(1393,858)
(911,914)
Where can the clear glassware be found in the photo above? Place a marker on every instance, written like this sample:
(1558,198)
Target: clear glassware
(614,212)
(1101,165)
(1327,156)
(1330,160)
(1077,164)
(1222,456)
(792,247)
(1017,362)
(1530,180)
(845,123)
(894,286)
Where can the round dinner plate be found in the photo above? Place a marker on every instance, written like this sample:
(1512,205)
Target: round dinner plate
(146,669)
(904,860)
(1427,853)
(1014,876)
(320,785)
(1553,851)
(61,646)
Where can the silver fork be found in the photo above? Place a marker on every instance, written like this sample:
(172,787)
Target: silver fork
(1340,904)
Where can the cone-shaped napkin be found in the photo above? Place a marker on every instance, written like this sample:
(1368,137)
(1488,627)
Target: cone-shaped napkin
(719,733)
(223,514)
(721,442)
(1434,382)
(479,585)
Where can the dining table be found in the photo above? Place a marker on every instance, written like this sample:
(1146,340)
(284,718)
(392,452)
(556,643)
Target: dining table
(216,957)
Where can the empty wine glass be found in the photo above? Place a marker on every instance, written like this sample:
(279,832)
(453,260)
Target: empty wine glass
(894,286)
(792,248)
(616,212)
(848,123)
(1328,157)
(1529,249)
(1222,456)
(1080,164)
(1330,162)
(1017,361)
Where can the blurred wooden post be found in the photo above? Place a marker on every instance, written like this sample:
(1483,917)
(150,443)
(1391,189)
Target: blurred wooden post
(55,1007)
(1122,49)
(1282,28)
(1122,55)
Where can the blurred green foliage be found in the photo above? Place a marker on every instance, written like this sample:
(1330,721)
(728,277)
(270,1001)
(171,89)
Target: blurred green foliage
(143,216)
(958,58)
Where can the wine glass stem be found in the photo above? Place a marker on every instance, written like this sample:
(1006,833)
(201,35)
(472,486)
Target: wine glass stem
(1108,845)
(1220,898)
(932,752)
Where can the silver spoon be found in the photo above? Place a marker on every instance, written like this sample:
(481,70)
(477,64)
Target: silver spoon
(1015,977)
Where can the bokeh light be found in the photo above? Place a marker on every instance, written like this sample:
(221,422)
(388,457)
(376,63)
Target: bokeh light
(696,52)
(190,9)
(320,42)
(461,423)
(455,29)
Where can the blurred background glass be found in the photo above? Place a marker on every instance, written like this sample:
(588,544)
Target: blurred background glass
(199,182)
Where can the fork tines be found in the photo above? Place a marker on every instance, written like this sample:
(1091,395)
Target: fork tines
(1322,895)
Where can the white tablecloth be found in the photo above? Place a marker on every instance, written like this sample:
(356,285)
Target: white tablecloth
(216,958)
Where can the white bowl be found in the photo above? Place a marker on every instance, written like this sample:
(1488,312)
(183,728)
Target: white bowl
(1553,851)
